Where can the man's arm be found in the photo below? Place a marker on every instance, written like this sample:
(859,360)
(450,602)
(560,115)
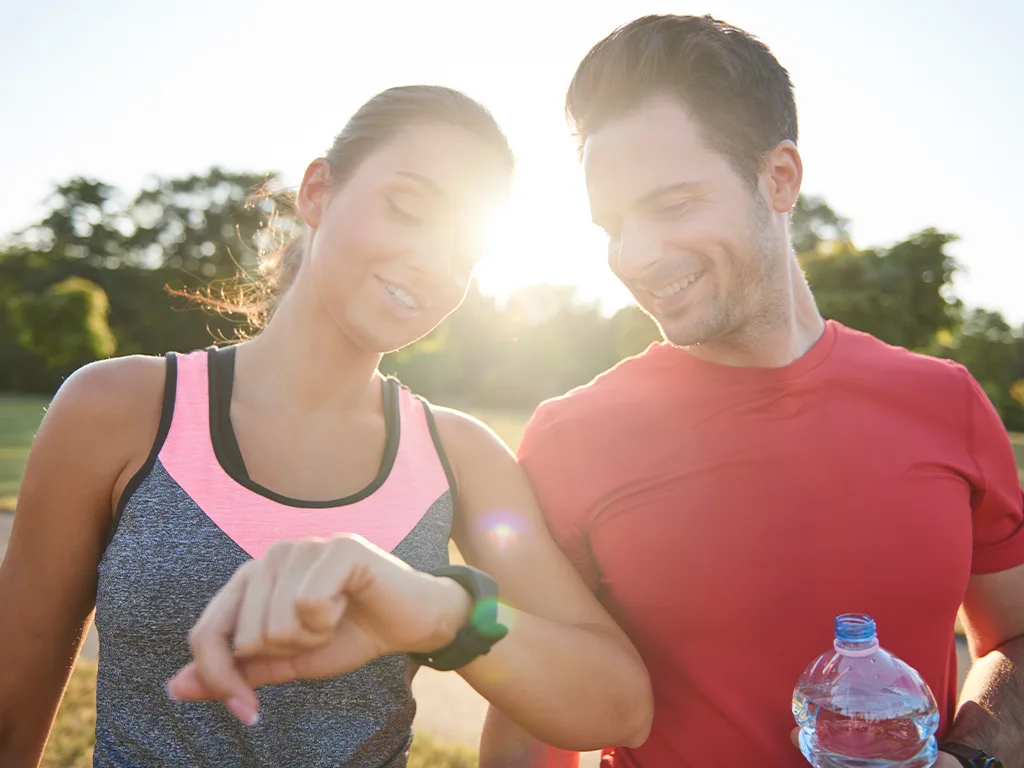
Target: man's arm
(990,715)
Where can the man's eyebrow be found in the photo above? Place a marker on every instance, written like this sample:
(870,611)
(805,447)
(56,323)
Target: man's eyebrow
(682,186)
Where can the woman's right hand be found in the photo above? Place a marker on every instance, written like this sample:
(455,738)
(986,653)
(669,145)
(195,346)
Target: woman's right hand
(314,608)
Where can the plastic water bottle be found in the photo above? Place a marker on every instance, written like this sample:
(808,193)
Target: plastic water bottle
(858,706)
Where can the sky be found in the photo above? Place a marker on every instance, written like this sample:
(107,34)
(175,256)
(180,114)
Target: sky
(910,110)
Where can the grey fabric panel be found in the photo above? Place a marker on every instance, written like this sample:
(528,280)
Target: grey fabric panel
(162,567)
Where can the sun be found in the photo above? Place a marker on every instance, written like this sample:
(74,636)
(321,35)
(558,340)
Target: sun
(544,235)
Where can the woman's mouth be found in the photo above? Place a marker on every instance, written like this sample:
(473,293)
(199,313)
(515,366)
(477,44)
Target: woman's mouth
(400,298)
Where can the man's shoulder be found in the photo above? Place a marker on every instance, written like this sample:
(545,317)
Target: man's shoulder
(887,365)
(574,446)
(616,391)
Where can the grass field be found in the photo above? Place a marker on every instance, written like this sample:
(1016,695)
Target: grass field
(19,418)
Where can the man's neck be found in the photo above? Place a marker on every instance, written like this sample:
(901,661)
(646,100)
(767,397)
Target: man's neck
(775,341)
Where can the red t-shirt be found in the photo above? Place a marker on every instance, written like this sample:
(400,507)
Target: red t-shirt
(726,515)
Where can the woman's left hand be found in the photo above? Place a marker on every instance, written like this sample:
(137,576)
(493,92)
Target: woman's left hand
(313,608)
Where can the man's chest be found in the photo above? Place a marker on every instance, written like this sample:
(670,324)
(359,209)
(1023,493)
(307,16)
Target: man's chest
(732,527)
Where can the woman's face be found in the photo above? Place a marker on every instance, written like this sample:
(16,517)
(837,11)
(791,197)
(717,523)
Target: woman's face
(394,246)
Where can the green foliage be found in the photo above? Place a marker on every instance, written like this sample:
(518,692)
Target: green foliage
(207,226)
(897,294)
(543,341)
(19,418)
(633,331)
(176,234)
(65,324)
(990,349)
(814,224)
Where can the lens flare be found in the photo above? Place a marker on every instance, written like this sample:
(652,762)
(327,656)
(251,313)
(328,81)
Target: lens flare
(503,535)
(503,528)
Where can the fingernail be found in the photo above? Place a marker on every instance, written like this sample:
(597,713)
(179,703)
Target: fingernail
(243,710)
(170,692)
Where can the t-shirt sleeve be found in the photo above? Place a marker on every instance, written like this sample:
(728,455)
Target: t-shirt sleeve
(547,461)
(997,500)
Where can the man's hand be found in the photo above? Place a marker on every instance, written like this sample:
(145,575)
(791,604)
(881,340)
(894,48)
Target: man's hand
(313,608)
(944,760)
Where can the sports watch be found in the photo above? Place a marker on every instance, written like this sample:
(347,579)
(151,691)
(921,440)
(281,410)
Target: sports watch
(970,757)
(480,633)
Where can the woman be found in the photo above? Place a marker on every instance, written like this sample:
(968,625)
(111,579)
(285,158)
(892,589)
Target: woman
(153,481)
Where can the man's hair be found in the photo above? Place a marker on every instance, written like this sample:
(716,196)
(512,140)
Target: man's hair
(727,79)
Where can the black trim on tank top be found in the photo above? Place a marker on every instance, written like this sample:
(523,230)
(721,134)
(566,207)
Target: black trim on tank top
(220,380)
(166,413)
(441,453)
(221,367)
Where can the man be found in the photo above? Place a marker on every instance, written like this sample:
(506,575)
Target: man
(729,492)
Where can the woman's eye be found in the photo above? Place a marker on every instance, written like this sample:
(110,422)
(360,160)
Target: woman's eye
(675,209)
(402,214)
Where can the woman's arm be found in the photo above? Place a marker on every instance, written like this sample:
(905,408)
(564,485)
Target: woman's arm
(95,428)
(566,673)
(319,608)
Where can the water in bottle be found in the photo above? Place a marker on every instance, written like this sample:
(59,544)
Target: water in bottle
(858,706)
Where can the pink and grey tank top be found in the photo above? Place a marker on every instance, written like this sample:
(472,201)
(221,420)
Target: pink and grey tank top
(187,520)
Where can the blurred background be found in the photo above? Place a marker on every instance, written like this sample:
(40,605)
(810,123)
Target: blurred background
(131,135)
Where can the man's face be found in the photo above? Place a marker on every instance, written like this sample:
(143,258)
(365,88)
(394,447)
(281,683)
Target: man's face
(693,242)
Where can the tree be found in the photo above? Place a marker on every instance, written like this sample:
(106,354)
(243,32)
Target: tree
(898,294)
(814,224)
(210,225)
(633,331)
(177,234)
(65,324)
(993,352)
(93,275)
(86,221)
(207,226)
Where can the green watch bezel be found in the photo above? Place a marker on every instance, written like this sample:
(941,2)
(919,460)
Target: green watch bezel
(482,631)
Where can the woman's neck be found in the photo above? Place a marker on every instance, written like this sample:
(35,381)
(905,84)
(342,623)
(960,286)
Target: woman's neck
(302,360)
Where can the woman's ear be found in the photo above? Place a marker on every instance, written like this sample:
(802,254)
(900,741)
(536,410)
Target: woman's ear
(312,197)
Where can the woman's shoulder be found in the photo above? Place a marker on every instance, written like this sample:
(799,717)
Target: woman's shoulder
(463,431)
(116,382)
(474,450)
(118,396)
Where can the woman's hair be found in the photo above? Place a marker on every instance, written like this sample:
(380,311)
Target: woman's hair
(373,125)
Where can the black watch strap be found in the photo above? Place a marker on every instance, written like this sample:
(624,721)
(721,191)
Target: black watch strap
(483,630)
(970,757)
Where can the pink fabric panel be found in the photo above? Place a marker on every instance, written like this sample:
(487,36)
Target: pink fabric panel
(253,521)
